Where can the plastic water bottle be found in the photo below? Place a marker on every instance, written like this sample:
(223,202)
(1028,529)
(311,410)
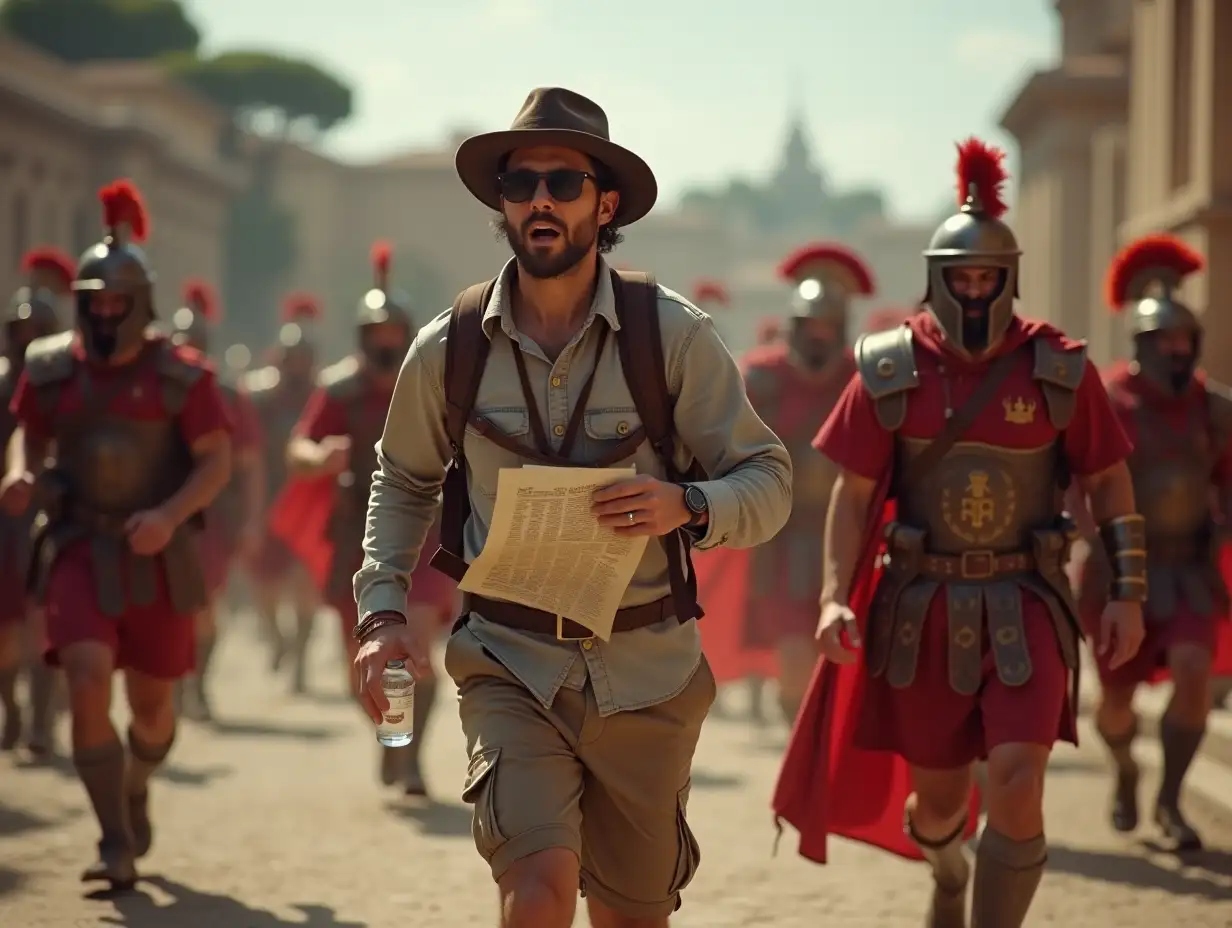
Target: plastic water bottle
(398,727)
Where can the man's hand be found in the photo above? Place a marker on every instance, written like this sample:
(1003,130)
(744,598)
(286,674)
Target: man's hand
(16,492)
(411,642)
(1120,632)
(149,532)
(641,506)
(837,619)
(335,454)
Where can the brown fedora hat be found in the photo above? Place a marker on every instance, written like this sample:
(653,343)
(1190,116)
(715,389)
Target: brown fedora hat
(555,116)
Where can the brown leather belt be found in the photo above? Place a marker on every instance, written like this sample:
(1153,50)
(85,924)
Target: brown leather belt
(975,565)
(525,619)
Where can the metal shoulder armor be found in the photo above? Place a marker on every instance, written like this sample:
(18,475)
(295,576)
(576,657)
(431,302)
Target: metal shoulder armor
(342,381)
(50,359)
(1059,372)
(886,365)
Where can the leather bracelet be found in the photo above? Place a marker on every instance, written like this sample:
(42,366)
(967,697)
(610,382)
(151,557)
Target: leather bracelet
(377,620)
(1124,539)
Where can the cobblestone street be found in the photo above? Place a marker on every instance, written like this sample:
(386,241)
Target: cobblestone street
(273,818)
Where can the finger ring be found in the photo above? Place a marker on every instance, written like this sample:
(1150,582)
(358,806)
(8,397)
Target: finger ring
(632,517)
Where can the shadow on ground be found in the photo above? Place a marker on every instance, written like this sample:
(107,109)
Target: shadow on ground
(441,819)
(14,821)
(1207,874)
(10,881)
(235,728)
(189,908)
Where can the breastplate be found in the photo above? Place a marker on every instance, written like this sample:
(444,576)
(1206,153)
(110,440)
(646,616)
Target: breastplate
(980,497)
(1171,473)
(118,466)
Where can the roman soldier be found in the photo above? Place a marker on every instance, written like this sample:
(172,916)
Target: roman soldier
(769,331)
(321,516)
(279,392)
(1180,422)
(232,523)
(30,314)
(142,446)
(947,629)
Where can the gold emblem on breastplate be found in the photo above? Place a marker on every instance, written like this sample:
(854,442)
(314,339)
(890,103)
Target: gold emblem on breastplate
(979,511)
(1018,412)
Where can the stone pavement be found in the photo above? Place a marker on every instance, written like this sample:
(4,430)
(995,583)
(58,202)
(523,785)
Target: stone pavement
(272,819)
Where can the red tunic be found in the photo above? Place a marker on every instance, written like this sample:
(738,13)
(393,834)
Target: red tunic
(829,783)
(149,639)
(1185,626)
(301,515)
(757,599)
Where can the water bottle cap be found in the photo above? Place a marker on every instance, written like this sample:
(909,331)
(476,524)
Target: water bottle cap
(395,665)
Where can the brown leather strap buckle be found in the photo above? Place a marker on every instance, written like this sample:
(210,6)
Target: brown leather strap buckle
(977,565)
(560,632)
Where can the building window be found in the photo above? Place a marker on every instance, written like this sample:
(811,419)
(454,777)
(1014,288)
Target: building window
(19,220)
(1182,92)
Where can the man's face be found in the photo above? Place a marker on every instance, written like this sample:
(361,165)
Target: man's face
(815,340)
(106,311)
(552,209)
(974,287)
(385,345)
(297,363)
(1178,352)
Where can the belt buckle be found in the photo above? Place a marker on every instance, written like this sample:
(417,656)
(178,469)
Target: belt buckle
(560,632)
(977,565)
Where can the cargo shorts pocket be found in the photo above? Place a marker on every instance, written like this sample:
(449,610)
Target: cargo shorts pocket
(479,791)
(689,852)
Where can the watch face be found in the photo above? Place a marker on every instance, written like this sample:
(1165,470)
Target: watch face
(695,500)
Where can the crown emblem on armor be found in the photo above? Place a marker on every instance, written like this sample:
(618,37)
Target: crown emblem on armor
(1019,412)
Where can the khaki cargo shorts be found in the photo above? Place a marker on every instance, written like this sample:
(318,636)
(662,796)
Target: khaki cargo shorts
(612,790)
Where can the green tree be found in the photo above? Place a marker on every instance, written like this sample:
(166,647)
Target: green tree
(268,94)
(271,99)
(102,30)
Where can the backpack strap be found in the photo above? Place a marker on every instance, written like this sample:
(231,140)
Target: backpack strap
(466,355)
(640,343)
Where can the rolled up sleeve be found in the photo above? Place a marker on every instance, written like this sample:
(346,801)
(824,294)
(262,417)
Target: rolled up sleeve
(412,457)
(749,490)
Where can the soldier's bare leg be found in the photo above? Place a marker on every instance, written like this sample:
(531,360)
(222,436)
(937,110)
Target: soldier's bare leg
(267,595)
(44,688)
(195,699)
(150,736)
(100,759)
(1180,732)
(797,657)
(307,602)
(1117,725)
(936,817)
(10,670)
(1012,852)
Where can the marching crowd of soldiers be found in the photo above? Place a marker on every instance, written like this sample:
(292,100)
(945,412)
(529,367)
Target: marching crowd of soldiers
(963,493)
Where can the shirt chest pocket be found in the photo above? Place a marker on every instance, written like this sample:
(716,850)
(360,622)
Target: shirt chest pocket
(606,430)
(484,456)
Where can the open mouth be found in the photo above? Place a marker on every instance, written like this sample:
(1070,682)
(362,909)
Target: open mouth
(543,233)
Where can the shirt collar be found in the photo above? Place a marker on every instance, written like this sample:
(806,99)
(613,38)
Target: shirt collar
(499,310)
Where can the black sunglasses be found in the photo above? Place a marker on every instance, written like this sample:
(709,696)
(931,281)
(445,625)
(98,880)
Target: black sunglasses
(564,184)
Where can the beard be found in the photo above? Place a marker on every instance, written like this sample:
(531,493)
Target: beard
(1180,371)
(976,318)
(386,360)
(104,335)
(815,353)
(536,259)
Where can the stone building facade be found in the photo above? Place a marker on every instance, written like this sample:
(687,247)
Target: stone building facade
(68,131)
(1129,133)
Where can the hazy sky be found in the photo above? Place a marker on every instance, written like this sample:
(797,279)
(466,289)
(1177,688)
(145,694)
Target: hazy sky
(887,86)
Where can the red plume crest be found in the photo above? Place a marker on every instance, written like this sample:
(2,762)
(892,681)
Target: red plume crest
(1148,260)
(982,166)
(710,291)
(300,306)
(382,257)
(201,299)
(122,205)
(52,262)
(816,259)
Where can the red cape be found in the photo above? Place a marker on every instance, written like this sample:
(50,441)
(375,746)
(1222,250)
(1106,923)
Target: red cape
(723,591)
(299,518)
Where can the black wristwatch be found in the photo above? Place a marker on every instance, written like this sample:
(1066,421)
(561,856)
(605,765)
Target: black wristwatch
(695,501)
